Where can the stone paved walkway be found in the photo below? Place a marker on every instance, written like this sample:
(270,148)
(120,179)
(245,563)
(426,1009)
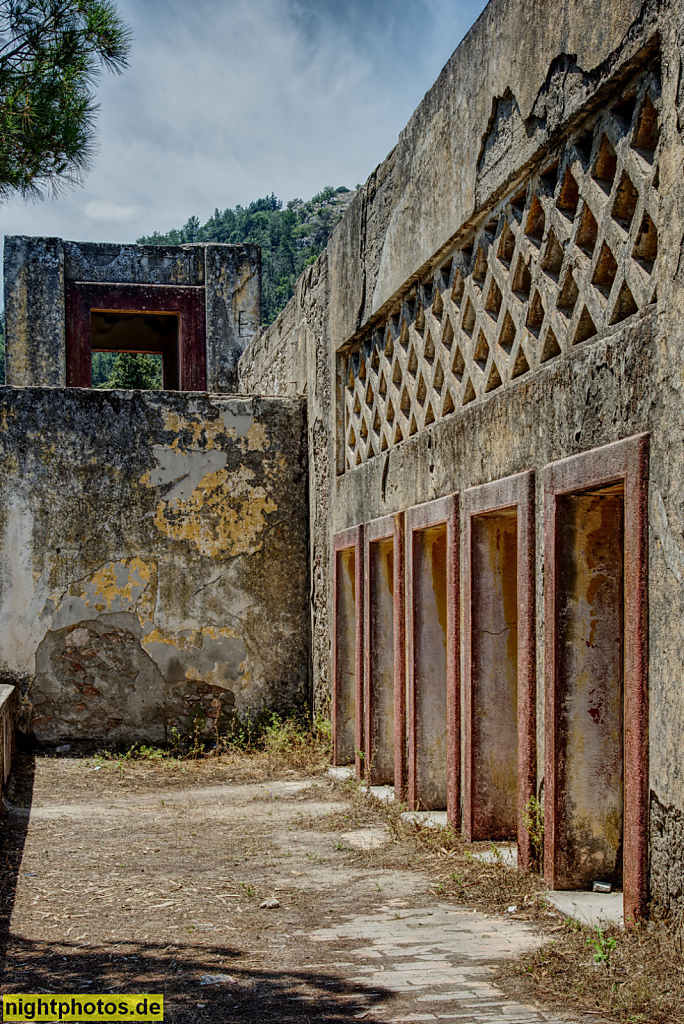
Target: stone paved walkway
(137,879)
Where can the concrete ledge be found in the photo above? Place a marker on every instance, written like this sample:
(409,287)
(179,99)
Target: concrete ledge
(8,703)
(589,908)
(428,819)
(341,773)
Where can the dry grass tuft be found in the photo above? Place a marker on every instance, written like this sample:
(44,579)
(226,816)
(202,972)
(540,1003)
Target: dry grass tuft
(634,977)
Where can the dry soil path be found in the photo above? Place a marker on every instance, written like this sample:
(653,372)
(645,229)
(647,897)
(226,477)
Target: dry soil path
(151,882)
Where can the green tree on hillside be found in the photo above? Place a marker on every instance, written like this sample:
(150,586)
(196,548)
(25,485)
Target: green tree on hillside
(51,55)
(290,238)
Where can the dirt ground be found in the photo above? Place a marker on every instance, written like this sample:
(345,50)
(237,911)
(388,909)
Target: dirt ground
(141,877)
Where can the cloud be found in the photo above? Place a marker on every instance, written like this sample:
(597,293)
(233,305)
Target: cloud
(229,100)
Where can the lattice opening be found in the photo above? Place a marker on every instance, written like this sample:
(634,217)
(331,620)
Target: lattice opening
(428,292)
(448,405)
(362,368)
(357,405)
(364,428)
(507,336)
(438,306)
(404,336)
(429,352)
(626,199)
(647,131)
(382,386)
(522,280)
(389,347)
(419,323)
(390,412)
(351,439)
(549,178)
(458,365)
(377,425)
(568,199)
(493,303)
(553,257)
(506,246)
(369,395)
(458,289)
(624,111)
(438,379)
(469,393)
(396,374)
(605,271)
(605,166)
(412,365)
(384,445)
(585,328)
(535,315)
(521,365)
(445,273)
(569,293)
(494,379)
(468,321)
(375,357)
(518,204)
(583,144)
(646,248)
(480,268)
(481,353)
(405,402)
(551,348)
(413,426)
(398,436)
(421,391)
(429,415)
(536,222)
(491,228)
(588,231)
(625,305)
(448,333)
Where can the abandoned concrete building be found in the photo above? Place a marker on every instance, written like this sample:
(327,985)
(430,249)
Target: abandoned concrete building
(442,496)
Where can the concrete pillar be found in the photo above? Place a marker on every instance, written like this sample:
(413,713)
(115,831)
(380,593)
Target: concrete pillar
(233,309)
(35,345)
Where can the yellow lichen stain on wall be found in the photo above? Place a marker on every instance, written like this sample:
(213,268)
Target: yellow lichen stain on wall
(225,514)
(109,588)
(256,438)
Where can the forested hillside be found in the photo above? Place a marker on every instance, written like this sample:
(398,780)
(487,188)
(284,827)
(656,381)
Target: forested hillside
(290,237)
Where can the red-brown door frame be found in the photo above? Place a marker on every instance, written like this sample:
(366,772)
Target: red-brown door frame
(387,527)
(512,492)
(84,297)
(627,462)
(352,538)
(442,511)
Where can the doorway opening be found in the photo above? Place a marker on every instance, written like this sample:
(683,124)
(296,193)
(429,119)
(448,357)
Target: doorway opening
(590,688)
(148,343)
(347,647)
(494,677)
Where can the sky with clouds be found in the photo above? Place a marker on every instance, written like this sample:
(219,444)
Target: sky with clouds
(229,100)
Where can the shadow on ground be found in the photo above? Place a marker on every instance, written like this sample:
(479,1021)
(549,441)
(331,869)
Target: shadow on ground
(197,984)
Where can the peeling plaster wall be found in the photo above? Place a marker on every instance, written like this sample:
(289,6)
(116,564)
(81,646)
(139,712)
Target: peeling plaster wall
(153,568)
(521,82)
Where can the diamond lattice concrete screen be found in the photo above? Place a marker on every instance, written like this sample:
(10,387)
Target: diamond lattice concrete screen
(596,711)
(433,707)
(53,286)
(347,725)
(153,563)
(384,701)
(499,660)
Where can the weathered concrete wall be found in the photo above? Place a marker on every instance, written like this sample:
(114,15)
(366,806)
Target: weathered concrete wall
(380,697)
(153,567)
(505,291)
